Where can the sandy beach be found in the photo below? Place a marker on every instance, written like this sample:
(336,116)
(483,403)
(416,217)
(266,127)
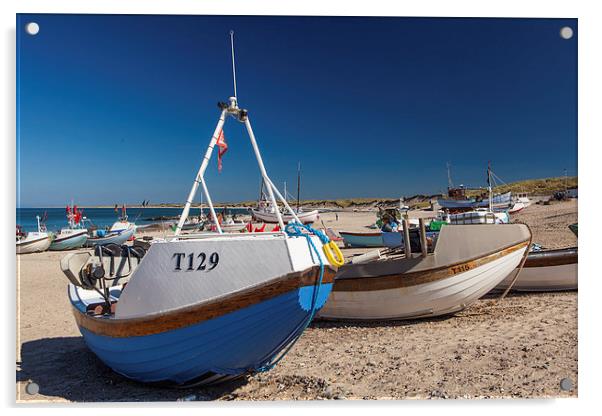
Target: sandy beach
(521,346)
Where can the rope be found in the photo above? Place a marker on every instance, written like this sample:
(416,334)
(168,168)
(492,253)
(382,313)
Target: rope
(520,267)
(295,229)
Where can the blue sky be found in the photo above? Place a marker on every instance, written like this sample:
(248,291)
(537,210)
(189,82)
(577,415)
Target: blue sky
(121,108)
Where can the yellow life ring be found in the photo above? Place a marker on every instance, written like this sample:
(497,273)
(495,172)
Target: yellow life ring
(333,254)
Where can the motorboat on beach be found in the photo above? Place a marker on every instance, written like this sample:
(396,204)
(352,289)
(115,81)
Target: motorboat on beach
(266,212)
(546,271)
(467,262)
(202,308)
(233,226)
(75,236)
(387,223)
(228,223)
(519,202)
(121,231)
(33,241)
(362,239)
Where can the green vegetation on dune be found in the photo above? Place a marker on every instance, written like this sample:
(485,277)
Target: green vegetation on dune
(543,186)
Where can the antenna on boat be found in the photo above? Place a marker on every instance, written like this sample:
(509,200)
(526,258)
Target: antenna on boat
(231,109)
(233,63)
(298,183)
(450,184)
(489,186)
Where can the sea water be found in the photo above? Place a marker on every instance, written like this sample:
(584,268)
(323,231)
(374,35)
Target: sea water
(104,217)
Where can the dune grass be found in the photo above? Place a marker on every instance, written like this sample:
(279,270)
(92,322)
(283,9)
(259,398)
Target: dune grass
(543,186)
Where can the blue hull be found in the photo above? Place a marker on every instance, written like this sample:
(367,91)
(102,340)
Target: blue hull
(367,240)
(69,243)
(118,239)
(223,347)
(393,239)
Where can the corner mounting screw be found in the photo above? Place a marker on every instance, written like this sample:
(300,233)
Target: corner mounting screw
(566,384)
(32,388)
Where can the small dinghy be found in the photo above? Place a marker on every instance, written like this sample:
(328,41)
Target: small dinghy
(360,240)
(234,227)
(267,214)
(467,262)
(33,241)
(202,308)
(228,223)
(266,210)
(545,271)
(121,231)
(73,237)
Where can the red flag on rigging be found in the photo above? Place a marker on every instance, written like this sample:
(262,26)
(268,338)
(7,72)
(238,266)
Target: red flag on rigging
(223,148)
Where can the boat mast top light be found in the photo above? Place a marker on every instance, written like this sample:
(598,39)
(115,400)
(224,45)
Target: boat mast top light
(233,104)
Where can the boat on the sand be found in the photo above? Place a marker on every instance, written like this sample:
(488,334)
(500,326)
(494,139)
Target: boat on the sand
(33,241)
(359,239)
(75,236)
(69,238)
(546,270)
(268,214)
(201,308)
(121,231)
(519,202)
(467,262)
(266,210)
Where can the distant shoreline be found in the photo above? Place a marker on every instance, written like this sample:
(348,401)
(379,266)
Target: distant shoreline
(533,187)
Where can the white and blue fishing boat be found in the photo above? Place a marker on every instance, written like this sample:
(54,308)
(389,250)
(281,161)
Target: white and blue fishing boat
(121,231)
(358,240)
(75,236)
(202,308)
(33,241)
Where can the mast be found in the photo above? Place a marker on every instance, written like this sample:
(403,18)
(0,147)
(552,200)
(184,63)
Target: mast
(233,64)
(298,184)
(231,108)
(489,186)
